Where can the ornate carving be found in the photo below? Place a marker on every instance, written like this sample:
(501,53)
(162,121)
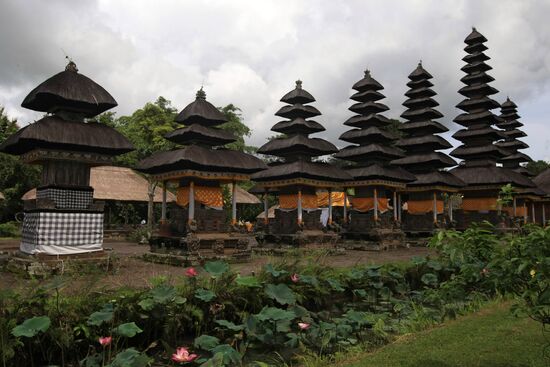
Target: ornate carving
(218,247)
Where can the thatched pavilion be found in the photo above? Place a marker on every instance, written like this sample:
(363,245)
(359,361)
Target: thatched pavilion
(425,202)
(199,169)
(479,154)
(64,219)
(542,213)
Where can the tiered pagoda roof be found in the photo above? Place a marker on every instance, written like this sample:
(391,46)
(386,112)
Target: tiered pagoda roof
(68,97)
(420,143)
(478,151)
(295,148)
(203,153)
(372,148)
(512,144)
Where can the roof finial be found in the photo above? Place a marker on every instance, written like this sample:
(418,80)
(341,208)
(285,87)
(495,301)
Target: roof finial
(367,72)
(201,94)
(71,66)
(474,29)
(298,84)
(420,63)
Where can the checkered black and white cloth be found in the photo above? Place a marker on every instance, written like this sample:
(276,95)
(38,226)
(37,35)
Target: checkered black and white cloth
(67,198)
(62,233)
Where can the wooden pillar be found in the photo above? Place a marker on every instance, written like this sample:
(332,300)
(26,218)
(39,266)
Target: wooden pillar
(450,208)
(299,206)
(394,201)
(191,215)
(329,206)
(233,203)
(399,208)
(375,204)
(543,214)
(345,205)
(524,212)
(514,206)
(266,208)
(163,207)
(435,207)
(533,219)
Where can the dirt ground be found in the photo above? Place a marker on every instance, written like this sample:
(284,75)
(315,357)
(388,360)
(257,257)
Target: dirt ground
(133,272)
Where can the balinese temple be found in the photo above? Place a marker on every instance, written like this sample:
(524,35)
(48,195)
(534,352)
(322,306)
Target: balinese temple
(542,180)
(425,201)
(296,177)
(375,180)
(199,169)
(511,144)
(64,219)
(524,203)
(478,152)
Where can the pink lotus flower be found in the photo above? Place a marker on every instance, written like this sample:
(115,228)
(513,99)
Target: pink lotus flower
(182,355)
(105,340)
(191,272)
(295,278)
(303,325)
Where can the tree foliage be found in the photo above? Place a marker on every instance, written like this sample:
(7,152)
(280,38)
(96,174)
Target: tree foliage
(236,125)
(536,167)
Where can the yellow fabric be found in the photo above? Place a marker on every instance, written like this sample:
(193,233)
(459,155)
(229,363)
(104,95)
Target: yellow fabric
(209,196)
(291,201)
(477,204)
(423,206)
(366,204)
(337,199)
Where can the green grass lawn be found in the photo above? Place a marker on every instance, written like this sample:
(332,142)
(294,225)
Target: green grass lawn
(491,337)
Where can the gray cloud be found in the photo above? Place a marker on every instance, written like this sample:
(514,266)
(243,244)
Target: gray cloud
(250,53)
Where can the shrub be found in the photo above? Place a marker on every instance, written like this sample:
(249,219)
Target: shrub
(10,229)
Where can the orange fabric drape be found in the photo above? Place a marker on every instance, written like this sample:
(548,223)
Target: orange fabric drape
(520,211)
(423,206)
(209,196)
(366,204)
(291,201)
(337,199)
(477,204)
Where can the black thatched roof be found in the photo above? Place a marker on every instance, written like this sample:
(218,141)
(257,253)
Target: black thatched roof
(195,157)
(478,148)
(374,149)
(302,169)
(490,175)
(382,172)
(437,178)
(511,144)
(298,145)
(542,180)
(298,126)
(69,91)
(52,132)
(298,148)
(198,134)
(201,112)
(420,145)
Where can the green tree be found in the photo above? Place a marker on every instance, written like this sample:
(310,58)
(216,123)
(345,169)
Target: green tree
(16,177)
(536,167)
(236,125)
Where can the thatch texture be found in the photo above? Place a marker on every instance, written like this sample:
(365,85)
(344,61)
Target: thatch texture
(201,112)
(298,144)
(118,184)
(542,180)
(52,132)
(490,175)
(243,196)
(302,169)
(198,134)
(70,91)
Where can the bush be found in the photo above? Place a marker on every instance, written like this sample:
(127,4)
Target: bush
(10,229)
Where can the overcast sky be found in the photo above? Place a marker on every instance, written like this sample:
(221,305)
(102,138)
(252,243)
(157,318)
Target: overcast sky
(249,53)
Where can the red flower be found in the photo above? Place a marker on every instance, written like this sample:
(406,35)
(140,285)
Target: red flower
(182,355)
(295,278)
(191,272)
(105,340)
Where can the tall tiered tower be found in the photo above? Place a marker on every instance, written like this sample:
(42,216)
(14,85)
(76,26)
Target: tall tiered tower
(371,152)
(296,175)
(422,156)
(64,219)
(512,145)
(478,152)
